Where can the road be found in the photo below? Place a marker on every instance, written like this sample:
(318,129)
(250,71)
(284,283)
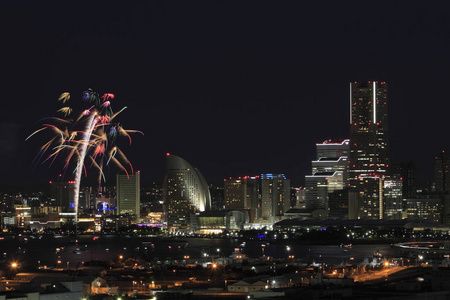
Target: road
(379,275)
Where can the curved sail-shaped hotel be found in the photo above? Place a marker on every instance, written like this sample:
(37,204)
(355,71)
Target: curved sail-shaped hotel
(186,192)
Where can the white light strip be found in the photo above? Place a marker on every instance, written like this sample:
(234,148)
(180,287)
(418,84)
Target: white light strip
(374,102)
(351,121)
(325,144)
(328,161)
(335,173)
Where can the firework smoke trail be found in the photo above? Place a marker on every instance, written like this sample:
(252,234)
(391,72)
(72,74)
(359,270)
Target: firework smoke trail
(84,145)
(96,143)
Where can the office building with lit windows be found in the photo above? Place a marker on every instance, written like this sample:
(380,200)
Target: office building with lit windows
(63,195)
(366,198)
(319,185)
(275,197)
(393,199)
(329,173)
(424,210)
(242,193)
(369,149)
(128,194)
(442,172)
(185,192)
(406,171)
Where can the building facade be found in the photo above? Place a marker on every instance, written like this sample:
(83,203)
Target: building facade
(329,173)
(128,194)
(393,198)
(369,148)
(63,195)
(243,193)
(275,197)
(442,172)
(185,193)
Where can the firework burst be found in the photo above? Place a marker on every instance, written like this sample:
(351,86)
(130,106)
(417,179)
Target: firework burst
(89,139)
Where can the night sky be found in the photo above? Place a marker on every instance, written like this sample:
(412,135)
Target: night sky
(234,87)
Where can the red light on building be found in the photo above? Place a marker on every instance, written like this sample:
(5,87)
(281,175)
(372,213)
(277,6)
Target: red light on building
(168,154)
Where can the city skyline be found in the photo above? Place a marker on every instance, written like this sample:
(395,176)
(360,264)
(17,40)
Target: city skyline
(260,85)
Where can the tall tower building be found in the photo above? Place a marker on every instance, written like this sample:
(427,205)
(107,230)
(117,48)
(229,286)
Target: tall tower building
(369,150)
(275,196)
(242,193)
(128,194)
(442,172)
(185,192)
(407,172)
(63,195)
(329,173)
(393,198)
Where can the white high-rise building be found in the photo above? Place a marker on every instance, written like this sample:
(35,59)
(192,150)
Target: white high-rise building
(329,173)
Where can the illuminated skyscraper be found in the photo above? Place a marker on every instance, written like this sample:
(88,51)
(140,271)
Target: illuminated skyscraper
(442,172)
(242,193)
(369,151)
(329,173)
(393,199)
(63,195)
(275,197)
(128,194)
(185,192)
